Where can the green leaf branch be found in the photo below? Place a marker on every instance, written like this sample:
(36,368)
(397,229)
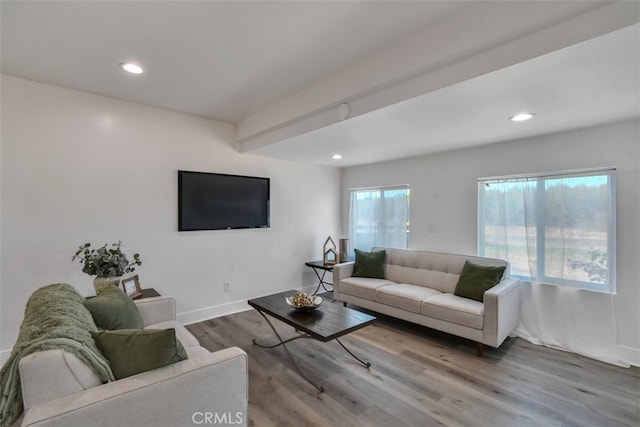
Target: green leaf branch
(106,261)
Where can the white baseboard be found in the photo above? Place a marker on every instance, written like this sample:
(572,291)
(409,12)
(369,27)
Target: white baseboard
(212,312)
(629,354)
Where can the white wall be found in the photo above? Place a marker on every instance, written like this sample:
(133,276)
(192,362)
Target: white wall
(444,193)
(78,168)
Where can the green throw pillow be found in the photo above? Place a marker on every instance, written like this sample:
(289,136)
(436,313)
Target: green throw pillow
(476,279)
(113,309)
(132,351)
(369,264)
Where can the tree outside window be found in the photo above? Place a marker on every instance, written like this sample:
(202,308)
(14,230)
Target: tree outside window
(554,228)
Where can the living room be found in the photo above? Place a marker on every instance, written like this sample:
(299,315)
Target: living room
(80,166)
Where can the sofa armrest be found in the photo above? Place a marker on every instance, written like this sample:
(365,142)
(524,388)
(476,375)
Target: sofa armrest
(51,374)
(181,394)
(501,311)
(156,309)
(341,271)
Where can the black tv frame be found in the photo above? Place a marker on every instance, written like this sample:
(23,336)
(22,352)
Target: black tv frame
(183,227)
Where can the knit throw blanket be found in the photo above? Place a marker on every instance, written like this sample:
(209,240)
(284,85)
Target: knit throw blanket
(55,318)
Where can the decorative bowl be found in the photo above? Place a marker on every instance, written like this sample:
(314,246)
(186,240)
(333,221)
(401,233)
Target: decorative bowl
(317,302)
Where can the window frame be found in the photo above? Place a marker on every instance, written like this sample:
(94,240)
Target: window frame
(541,179)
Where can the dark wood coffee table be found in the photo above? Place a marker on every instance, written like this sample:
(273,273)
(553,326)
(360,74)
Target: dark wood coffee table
(326,323)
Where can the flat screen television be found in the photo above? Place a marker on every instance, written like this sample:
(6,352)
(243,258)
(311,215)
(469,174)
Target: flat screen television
(214,201)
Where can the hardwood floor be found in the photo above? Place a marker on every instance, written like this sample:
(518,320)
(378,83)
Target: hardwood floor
(421,377)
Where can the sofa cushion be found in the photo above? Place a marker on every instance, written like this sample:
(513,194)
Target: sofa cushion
(404,296)
(185,337)
(438,271)
(113,309)
(362,287)
(369,264)
(438,280)
(132,351)
(451,308)
(476,279)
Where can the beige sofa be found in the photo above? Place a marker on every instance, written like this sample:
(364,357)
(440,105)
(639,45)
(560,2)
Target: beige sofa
(59,390)
(418,287)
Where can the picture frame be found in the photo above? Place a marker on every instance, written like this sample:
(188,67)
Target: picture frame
(131,287)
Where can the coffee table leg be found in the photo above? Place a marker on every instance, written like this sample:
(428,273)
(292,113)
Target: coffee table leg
(284,345)
(366,364)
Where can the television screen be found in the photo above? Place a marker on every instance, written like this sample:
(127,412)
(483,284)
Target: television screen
(213,201)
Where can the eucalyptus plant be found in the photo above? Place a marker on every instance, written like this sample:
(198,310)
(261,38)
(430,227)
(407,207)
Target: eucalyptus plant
(106,261)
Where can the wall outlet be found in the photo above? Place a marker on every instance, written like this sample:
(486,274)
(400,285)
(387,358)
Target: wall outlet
(226,286)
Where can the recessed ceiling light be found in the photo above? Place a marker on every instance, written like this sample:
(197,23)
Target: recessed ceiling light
(336,156)
(521,117)
(131,67)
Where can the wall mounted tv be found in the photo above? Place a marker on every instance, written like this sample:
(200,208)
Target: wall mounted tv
(214,201)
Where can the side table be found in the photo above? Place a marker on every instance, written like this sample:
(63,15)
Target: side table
(318,266)
(146,293)
(149,293)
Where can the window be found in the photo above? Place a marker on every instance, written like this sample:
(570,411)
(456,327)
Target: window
(553,228)
(379,217)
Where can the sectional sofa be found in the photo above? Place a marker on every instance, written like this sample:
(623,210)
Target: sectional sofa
(419,286)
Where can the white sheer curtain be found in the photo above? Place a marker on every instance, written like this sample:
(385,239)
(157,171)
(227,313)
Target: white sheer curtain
(558,232)
(379,217)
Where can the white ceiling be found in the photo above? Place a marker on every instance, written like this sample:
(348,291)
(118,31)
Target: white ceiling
(591,83)
(221,60)
(277,70)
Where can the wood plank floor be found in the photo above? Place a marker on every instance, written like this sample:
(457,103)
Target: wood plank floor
(421,377)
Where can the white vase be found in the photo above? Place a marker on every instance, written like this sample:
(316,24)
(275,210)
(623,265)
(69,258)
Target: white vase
(98,282)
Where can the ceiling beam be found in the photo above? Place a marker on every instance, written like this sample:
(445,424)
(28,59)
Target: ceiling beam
(496,35)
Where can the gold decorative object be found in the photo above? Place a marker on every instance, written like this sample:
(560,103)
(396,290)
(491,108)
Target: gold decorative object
(304,302)
(330,254)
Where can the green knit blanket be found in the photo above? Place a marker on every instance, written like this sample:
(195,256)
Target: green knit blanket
(55,318)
